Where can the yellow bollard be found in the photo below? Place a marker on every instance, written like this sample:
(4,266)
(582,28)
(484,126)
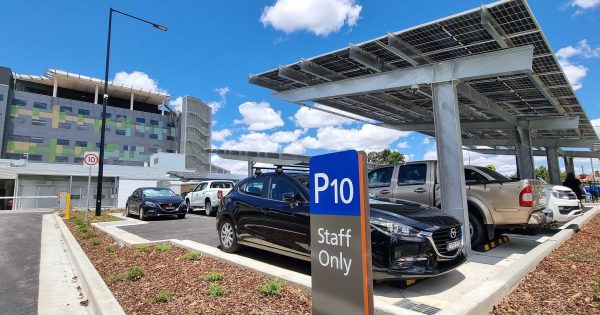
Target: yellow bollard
(67,205)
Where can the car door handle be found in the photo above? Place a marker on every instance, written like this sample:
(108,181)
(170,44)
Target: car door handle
(384,192)
(420,190)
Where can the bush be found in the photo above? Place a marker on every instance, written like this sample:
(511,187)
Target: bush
(273,287)
(89,234)
(191,256)
(162,296)
(95,241)
(596,286)
(138,254)
(216,290)
(135,273)
(164,247)
(143,248)
(114,278)
(109,249)
(213,276)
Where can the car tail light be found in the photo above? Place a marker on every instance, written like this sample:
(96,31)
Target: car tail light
(526,197)
(220,195)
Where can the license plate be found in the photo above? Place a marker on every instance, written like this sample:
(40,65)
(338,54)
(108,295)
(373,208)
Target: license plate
(453,245)
(170,208)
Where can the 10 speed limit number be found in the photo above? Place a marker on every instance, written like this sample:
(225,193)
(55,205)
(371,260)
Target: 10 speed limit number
(91,159)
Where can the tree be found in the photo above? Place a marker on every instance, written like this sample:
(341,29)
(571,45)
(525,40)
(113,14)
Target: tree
(492,167)
(385,157)
(542,172)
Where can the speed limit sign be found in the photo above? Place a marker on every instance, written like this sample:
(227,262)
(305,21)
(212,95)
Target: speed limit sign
(91,159)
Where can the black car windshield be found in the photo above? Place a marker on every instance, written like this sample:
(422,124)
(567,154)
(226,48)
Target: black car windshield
(302,178)
(158,192)
(493,174)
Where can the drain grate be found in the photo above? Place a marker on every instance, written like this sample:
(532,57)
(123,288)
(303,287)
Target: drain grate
(418,307)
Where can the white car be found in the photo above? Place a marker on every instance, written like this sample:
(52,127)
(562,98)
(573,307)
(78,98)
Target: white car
(207,194)
(562,204)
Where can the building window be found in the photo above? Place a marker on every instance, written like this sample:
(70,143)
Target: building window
(155,161)
(36,140)
(34,157)
(62,142)
(62,159)
(120,132)
(153,150)
(64,125)
(170,151)
(121,117)
(83,112)
(171,138)
(40,105)
(139,134)
(82,144)
(171,125)
(19,102)
(66,109)
(108,115)
(133,148)
(154,122)
(153,136)
(1,97)
(140,120)
(18,138)
(125,147)
(97,145)
(38,122)
(82,127)
(78,160)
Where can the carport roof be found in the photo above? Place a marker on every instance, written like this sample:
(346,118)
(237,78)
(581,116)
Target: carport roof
(501,103)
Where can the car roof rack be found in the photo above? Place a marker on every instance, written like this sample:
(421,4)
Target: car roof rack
(280,169)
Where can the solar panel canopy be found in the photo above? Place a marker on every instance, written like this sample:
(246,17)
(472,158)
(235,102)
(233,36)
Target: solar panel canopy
(543,93)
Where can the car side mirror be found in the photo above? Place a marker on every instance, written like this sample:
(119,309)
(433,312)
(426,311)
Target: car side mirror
(289,197)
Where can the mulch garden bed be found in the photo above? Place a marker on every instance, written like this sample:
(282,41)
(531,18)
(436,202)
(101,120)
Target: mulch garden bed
(565,282)
(172,284)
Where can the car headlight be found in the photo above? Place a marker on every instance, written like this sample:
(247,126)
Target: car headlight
(391,227)
(562,194)
(150,204)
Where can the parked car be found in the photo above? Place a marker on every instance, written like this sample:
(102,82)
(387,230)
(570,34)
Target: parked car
(150,202)
(207,195)
(271,211)
(494,200)
(562,204)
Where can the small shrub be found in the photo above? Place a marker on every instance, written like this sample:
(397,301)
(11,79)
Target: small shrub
(114,278)
(95,241)
(143,248)
(135,273)
(164,247)
(213,276)
(89,234)
(191,256)
(109,249)
(596,288)
(138,254)
(162,296)
(216,290)
(273,287)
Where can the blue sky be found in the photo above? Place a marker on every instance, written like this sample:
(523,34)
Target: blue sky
(212,46)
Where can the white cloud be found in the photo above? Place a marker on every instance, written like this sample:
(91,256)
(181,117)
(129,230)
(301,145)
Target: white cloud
(220,135)
(175,104)
(574,71)
(236,167)
(596,124)
(583,5)
(403,145)
(255,141)
(368,138)
(294,148)
(307,117)
(426,141)
(286,136)
(505,164)
(320,17)
(216,105)
(136,79)
(259,116)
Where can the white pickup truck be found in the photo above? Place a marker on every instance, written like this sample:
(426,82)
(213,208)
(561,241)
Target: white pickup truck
(207,195)
(494,200)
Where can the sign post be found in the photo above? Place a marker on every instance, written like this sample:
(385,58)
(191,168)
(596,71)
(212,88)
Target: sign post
(340,234)
(90,159)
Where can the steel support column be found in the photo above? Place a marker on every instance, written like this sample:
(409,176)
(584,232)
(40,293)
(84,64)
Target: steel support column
(569,166)
(553,167)
(524,153)
(450,155)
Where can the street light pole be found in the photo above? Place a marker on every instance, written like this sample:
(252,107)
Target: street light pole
(105,102)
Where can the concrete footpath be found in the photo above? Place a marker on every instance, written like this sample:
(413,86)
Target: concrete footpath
(36,274)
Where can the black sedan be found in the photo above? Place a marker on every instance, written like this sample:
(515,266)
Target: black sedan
(271,211)
(150,202)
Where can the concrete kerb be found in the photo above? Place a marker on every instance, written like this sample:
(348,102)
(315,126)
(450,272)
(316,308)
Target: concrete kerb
(101,299)
(483,298)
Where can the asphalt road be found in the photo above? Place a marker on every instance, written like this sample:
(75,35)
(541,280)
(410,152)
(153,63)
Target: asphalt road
(203,229)
(20,236)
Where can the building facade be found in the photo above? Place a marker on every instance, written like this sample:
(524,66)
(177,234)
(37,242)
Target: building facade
(56,117)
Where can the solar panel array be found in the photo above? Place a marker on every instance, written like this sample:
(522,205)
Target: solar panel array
(544,93)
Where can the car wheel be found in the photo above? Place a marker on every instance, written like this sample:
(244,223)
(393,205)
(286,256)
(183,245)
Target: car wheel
(141,215)
(476,230)
(228,236)
(127,211)
(181,216)
(189,206)
(208,208)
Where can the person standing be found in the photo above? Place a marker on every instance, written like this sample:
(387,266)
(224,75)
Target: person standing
(575,184)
